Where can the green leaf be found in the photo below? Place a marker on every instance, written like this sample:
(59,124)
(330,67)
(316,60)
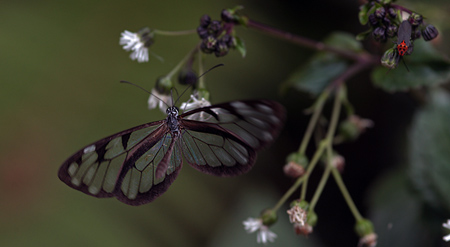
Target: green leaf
(398,214)
(365,11)
(240,46)
(426,68)
(363,16)
(345,41)
(429,150)
(323,67)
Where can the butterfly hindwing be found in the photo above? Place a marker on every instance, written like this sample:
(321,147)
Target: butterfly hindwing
(123,165)
(223,139)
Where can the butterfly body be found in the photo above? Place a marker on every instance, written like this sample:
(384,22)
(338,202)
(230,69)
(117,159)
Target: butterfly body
(139,164)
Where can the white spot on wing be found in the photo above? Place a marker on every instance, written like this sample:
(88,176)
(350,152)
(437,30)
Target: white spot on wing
(89,149)
(238,105)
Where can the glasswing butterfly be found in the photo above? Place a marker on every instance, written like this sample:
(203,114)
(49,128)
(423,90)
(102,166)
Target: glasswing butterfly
(139,164)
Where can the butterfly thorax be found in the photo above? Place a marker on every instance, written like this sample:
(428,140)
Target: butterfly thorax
(172,119)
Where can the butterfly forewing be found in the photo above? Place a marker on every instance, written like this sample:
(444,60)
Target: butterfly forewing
(123,165)
(139,164)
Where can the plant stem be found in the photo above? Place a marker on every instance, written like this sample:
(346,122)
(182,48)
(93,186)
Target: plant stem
(347,197)
(288,194)
(323,180)
(182,62)
(318,105)
(311,166)
(299,40)
(174,33)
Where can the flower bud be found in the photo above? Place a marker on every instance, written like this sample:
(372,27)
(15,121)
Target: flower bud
(221,49)
(338,161)
(415,19)
(228,17)
(215,28)
(392,12)
(380,13)
(146,36)
(187,77)
(229,40)
(386,21)
(390,59)
(379,34)
(354,126)
(364,229)
(429,33)
(295,165)
(303,229)
(391,31)
(269,217)
(210,42)
(205,20)
(163,85)
(368,240)
(202,32)
(415,34)
(373,21)
(204,48)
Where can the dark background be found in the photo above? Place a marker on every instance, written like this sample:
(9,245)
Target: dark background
(60,69)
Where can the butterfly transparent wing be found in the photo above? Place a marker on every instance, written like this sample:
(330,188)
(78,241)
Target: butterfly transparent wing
(223,139)
(124,165)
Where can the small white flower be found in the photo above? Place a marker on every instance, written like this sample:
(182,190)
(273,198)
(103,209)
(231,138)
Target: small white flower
(194,103)
(297,215)
(158,100)
(132,42)
(446,225)
(263,235)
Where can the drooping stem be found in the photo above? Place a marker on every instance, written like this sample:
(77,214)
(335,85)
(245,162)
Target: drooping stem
(182,62)
(317,107)
(346,194)
(174,33)
(288,193)
(323,181)
(302,41)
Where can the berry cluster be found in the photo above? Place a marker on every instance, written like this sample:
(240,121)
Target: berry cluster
(384,20)
(216,35)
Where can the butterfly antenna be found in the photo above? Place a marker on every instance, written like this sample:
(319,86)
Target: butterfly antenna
(215,66)
(184,91)
(145,90)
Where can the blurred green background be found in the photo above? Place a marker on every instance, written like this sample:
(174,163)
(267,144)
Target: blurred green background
(60,69)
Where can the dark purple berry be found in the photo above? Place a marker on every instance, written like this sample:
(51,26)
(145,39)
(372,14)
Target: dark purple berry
(380,13)
(373,21)
(386,21)
(391,31)
(202,32)
(379,34)
(215,27)
(392,12)
(221,49)
(187,77)
(205,20)
(205,49)
(415,34)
